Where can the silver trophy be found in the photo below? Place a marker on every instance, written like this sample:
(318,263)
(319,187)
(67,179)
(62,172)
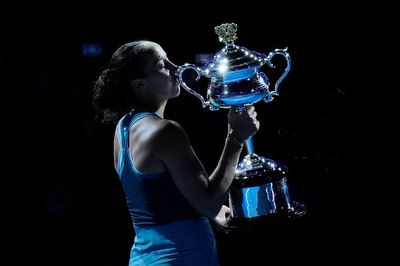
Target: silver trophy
(259,192)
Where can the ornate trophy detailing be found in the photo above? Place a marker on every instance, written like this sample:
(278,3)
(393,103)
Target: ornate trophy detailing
(226,32)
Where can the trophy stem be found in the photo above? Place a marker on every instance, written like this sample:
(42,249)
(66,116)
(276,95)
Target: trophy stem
(249,146)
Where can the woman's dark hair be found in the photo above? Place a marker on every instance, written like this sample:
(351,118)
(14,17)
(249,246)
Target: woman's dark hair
(112,95)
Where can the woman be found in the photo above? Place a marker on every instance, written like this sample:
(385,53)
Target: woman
(170,196)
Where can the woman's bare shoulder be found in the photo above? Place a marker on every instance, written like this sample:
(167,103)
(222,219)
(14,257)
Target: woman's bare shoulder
(170,129)
(171,134)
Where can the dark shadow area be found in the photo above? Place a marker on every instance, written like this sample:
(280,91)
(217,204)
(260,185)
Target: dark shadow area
(333,126)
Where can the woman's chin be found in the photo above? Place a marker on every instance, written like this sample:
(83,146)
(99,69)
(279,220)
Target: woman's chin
(177,92)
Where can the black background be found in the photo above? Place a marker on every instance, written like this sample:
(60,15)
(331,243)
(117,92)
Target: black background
(334,126)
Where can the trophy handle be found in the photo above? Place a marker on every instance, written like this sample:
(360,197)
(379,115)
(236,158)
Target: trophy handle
(199,72)
(283,52)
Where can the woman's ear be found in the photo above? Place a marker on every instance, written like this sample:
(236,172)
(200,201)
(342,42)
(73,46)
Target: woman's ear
(138,84)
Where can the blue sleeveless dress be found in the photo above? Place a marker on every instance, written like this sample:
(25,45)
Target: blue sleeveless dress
(168,231)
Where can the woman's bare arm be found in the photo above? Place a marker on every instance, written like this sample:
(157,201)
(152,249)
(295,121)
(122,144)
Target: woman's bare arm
(205,193)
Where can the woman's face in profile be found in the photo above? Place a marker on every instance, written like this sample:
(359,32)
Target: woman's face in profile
(160,73)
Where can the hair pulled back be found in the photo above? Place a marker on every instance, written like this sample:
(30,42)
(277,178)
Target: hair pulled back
(112,95)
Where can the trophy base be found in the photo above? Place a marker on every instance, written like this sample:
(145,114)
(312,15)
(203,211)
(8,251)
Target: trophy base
(241,224)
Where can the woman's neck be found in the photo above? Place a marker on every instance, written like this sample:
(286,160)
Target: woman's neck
(159,108)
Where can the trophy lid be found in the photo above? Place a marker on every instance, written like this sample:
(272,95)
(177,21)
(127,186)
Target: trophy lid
(233,62)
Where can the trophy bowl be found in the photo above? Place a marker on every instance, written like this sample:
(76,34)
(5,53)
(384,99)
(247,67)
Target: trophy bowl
(259,192)
(226,95)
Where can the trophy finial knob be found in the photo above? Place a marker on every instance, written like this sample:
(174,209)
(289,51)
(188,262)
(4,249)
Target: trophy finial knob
(226,32)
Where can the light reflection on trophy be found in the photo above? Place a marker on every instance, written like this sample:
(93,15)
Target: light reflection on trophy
(259,192)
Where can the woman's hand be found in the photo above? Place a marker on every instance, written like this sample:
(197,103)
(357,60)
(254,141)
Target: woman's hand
(242,125)
(222,215)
